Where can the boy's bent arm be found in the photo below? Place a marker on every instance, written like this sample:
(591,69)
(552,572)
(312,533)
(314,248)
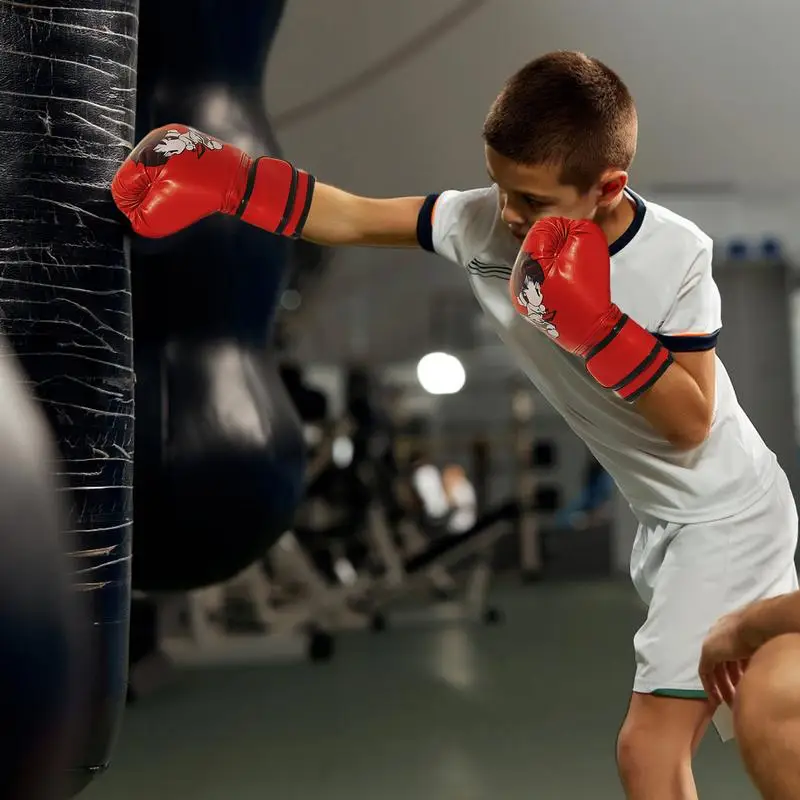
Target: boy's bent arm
(339,218)
(680,405)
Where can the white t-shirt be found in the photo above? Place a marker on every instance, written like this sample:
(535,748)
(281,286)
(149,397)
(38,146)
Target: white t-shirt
(661,277)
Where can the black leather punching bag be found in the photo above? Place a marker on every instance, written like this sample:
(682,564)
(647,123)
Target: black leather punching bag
(220,454)
(40,637)
(67,86)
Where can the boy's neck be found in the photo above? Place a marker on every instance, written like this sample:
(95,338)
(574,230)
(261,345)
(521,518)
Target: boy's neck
(617,218)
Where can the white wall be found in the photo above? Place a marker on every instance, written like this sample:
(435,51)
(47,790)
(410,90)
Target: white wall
(715,84)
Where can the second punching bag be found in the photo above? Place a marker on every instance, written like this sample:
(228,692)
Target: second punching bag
(220,454)
(42,637)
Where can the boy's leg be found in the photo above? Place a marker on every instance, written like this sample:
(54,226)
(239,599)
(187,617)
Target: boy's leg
(656,744)
(668,713)
(692,575)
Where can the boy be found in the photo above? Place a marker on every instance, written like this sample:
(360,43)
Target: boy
(717,520)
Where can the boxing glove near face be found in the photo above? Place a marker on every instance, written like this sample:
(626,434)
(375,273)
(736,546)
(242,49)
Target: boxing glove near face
(561,283)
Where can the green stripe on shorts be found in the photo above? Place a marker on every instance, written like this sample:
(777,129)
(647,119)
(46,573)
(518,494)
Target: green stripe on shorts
(686,694)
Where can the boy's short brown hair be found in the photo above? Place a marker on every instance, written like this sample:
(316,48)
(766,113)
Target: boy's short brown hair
(565,108)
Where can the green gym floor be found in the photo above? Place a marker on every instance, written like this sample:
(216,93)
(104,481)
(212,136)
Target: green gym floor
(524,711)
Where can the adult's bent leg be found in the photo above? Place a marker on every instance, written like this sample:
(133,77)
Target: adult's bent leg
(767,718)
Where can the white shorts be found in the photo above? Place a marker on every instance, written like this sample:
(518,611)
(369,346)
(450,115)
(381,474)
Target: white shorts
(690,575)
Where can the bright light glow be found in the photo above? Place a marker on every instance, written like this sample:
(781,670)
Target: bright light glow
(441,373)
(342,451)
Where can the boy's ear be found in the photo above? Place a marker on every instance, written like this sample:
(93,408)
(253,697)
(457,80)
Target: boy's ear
(612,184)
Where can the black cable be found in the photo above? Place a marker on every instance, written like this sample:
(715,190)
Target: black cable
(390,62)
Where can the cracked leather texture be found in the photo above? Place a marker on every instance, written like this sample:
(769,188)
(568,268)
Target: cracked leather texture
(67,95)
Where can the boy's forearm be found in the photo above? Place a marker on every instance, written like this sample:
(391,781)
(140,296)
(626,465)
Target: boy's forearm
(676,408)
(337,217)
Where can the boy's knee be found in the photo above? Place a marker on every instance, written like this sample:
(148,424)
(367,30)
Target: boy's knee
(657,740)
(643,747)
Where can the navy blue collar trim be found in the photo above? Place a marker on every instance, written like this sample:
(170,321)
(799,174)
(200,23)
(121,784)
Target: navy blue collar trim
(638,218)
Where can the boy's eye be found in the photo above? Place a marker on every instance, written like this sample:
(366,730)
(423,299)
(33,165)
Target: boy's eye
(534,203)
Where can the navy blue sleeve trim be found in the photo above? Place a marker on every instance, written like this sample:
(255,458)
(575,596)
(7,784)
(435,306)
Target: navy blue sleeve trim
(689,343)
(425,223)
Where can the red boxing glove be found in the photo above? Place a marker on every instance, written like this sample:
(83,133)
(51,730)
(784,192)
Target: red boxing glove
(176,176)
(561,282)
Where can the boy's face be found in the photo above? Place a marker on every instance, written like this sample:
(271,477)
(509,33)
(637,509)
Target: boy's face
(530,193)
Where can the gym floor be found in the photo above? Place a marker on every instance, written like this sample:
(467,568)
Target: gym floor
(525,710)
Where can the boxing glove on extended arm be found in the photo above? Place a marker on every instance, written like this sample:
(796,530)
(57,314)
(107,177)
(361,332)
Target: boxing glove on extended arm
(561,282)
(176,176)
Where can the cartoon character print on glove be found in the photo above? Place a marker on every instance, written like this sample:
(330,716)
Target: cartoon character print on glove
(165,143)
(527,294)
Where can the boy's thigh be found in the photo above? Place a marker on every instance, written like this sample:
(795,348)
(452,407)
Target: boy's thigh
(704,570)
